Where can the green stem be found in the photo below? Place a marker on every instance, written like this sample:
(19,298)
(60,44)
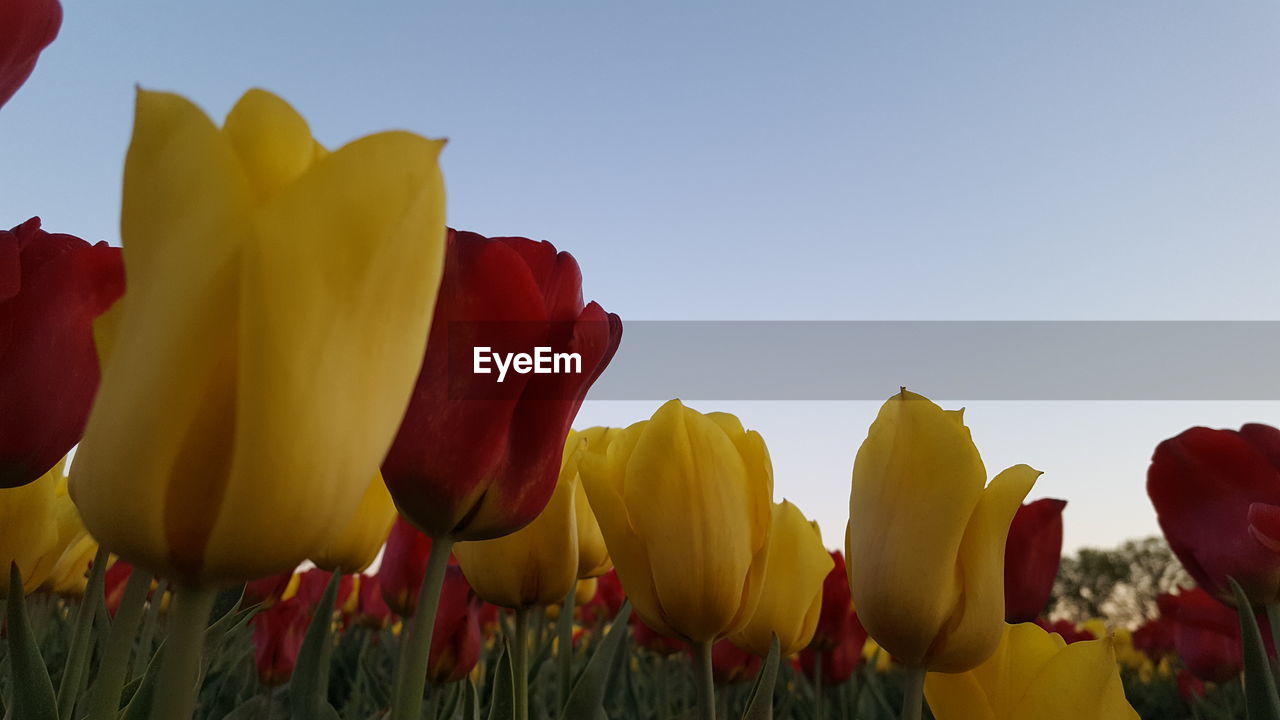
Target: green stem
(1273,619)
(913,694)
(175,697)
(817,685)
(664,692)
(704,681)
(520,662)
(411,673)
(142,656)
(564,646)
(104,703)
(78,653)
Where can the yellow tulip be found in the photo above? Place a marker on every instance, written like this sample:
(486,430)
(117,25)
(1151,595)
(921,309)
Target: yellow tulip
(791,598)
(926,537)
(74,549)
(593,554)
(683,501)
(258,367)
(535,565)
(29,530)
(586,591)
(1034,674)
(355,548)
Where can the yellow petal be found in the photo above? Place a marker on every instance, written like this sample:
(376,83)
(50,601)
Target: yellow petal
(593,554)
(273,141)
(1082,680)
(353,549)
(28,529)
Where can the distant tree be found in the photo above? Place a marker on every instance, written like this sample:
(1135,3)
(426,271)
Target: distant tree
(1119,584)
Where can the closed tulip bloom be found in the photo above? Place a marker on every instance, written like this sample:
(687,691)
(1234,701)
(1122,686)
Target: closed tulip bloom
(839,662)
(456,641)
(278,633)
(26,28)
(791,598)
(232,400)
(605,603)
(1031,559)
(404,563)
(1156,638)
(1034,674)
(593,554)
(267,591)
(29,530)
(477,458)
(926,539)
(52,286)
(371,609)
(533,566)
(74,549)
(1206,634)
(837,608)
(1217,497)
(357,545)
(684,501)
(731,665)
(652,641)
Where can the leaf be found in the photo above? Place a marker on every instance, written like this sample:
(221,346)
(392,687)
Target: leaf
(471,706)
(1259,684)
(502,704)
(587,698)
(760,701)
(309,688)
(139,707)
(33,697)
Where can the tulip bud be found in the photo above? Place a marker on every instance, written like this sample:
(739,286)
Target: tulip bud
(1206,634)
(926,539)
(371,610)
(267,591)
(535,565)
(357,545)
(1217,497)
(683,501)
(26,28)
(29,530)
(791,598)
(278,633)
(230,399)
(455,641)
(605,603)
(731,665)
(838,663)
(1031,558)
(74,549)
(404,563)
(477,457)
(1034,674)
(593,554)
(52,286)
(113,584)
(650,640)
(837,607)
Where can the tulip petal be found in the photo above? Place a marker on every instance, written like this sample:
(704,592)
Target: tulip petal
(273,141)
(1080,681)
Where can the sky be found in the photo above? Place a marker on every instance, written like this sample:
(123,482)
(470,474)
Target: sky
(771,161)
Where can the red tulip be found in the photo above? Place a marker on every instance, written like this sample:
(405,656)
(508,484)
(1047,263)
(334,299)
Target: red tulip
(1156,639)
(1206,634)
(1031,559)
(477,457)
(455,642)
(404,563)
(267,591)
(371,610)
(840,661)
(1190,687)
(312,584)
(731,665)
(52,286)
(278,633)
(837,607)
(1217,496)
(26,28)
(646,638)
(113,584)
(608,600)
(1067,630)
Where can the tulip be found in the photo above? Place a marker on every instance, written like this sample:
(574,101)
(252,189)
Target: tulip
(791,597)
(1190,687)
(311,586)
(1156,638)
(731,665)
(26,28)
(357,545)
(278,633)
(232,400)
(1206,634)
(926,539)
(114,582)
(371,610)
(455,643)
(695,573)
(1034,674)
(404,563)
(1217,497)
(534,566)
(837,607)
(1067,630)
(29,531)
(269,590)
(476,458)
(74,549)
(837,664)
(52,286)
(606,602)
(649,639)
(1031,559)
(593,554)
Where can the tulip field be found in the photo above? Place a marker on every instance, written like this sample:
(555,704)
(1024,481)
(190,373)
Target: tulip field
(297,448)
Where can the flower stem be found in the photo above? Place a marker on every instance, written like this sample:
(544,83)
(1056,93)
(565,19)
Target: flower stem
(564,646)
(175,697)
(704,681)
(520,662)
(146,643)
(1273,619)
(104,703)
(78,653)
(913,694)
(411,674)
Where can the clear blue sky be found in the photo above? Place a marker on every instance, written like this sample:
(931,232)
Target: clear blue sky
(1050,160)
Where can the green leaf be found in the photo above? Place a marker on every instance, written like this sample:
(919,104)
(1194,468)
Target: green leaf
(502,705)
(1259,684)
(471,706)
(587,698)
(309,688)
(139,707)
(760,701)
(33,697)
